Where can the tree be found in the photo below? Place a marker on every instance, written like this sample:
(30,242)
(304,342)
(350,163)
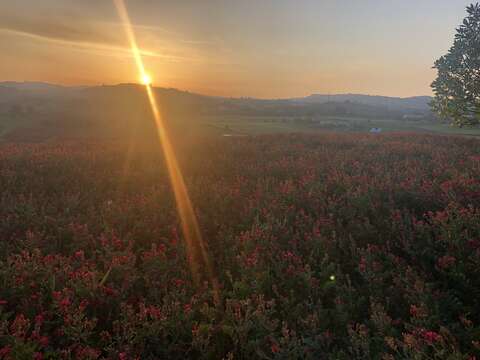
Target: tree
(457,87)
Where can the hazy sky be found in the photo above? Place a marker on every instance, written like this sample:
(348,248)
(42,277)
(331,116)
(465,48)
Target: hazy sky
(262,48)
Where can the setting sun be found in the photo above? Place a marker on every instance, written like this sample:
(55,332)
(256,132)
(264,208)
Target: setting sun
(146,79)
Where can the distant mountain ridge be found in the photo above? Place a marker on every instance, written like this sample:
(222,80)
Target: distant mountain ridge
(35,110)
(414,102)
(31,85)
(397,103)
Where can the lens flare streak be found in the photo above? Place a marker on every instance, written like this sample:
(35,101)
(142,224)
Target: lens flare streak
(196,250)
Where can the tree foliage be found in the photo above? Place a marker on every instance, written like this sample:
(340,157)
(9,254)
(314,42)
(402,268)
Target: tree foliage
(457,87)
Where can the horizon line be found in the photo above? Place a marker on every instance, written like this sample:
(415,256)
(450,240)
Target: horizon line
(209,95)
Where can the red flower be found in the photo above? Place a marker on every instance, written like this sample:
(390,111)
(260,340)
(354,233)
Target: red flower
(362,266)
(83,304)
(275,349)
(4,351)
(446,261)
(65,303)
(431,337)
(19,326)
(39,319)
(79,255)
(474,244)
(178,282)
(43,341)
(108,291)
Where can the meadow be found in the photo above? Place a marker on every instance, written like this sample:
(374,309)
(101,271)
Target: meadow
(251,125)
(325,246)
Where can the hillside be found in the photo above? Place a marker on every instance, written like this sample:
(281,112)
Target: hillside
(36,111)
(419,103)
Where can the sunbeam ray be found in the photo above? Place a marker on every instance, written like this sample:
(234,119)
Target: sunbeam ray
(197,254)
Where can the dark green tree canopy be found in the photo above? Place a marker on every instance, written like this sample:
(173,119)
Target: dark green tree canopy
(457,87)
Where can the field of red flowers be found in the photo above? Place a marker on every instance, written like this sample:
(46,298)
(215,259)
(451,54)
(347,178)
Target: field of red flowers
(324,246)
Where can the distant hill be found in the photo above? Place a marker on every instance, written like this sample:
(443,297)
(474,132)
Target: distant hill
(39,88)
(31,85)
(410,103)
(50,110)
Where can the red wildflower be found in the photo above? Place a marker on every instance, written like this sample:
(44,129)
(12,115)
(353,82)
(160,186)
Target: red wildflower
(39,319)
(4,351)
(65,303)
(445,262)
(87,352)
(43,340)
(362,266)
(19,326)
(431,337)
(79,255)
(178,282)
(474,244)
(56,295)
(83,304)
(154,312)
(195,330)
(108,291)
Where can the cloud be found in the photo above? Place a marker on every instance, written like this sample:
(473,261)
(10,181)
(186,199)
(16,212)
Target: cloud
(94,37)
(65,27)
(93,26)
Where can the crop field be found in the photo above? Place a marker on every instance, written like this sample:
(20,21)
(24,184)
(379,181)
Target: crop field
(238,124)
(325,246)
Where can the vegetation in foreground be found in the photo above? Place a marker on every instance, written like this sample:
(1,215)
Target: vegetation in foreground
(326,247)
(254,125)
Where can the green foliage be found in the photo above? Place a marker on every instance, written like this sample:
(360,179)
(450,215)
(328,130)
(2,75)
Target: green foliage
(325,247)
(457,87)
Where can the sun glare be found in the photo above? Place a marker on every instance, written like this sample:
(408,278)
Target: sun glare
(197,253)
(146,79)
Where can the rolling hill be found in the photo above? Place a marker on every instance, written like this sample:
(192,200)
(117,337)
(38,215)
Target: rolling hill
(33,110)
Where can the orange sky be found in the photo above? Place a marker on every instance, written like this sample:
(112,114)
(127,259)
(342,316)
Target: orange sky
(270,48)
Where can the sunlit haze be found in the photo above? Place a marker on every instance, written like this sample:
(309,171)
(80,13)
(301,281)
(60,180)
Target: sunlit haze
(239,179)
(268,49)
(196,250)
